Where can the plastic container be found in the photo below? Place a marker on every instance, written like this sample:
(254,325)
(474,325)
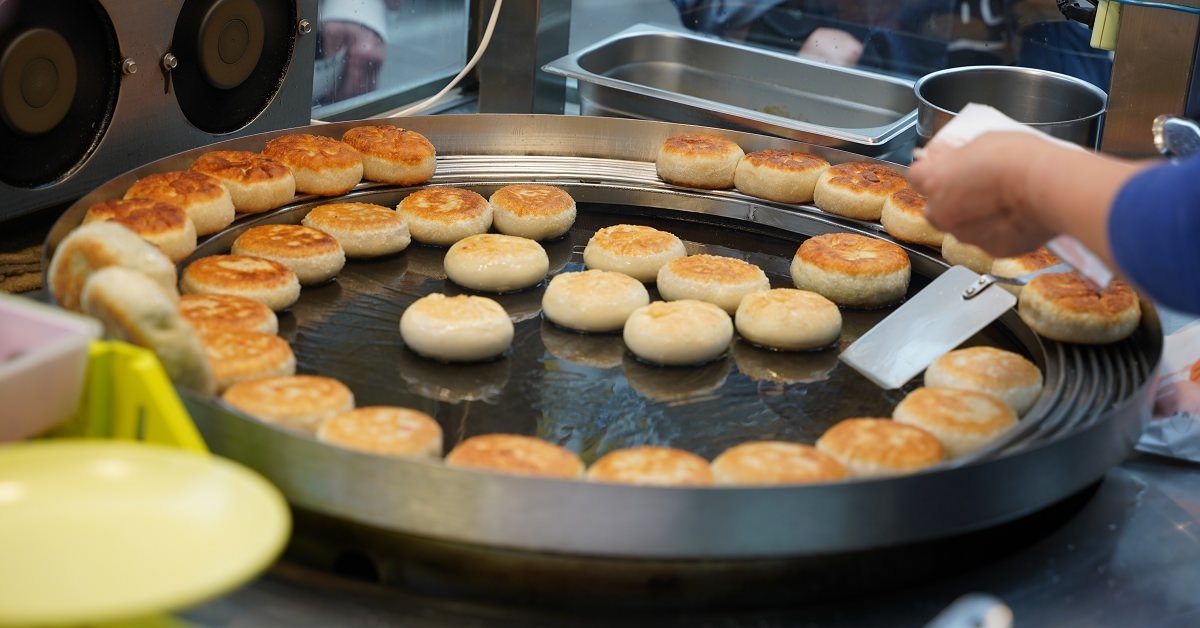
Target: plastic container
(43,361)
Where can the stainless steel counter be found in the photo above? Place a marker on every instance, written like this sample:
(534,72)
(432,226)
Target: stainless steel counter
(1130,556)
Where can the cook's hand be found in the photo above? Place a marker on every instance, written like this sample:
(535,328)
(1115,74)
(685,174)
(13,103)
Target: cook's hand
(365,52)
(981,192)
(832,45)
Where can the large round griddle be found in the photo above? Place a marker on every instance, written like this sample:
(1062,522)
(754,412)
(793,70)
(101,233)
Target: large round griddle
(584,391)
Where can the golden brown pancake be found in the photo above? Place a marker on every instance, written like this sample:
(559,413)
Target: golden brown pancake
(204,198)
(1003,374)
(263,280)
(870,447)
(444,215)
(635,250)
(1194,374)
(237,356)
(386,430)
(593,300)
(321,165)
(493,262)
(1063,307)
(91,247)
(394,155)
(722,281)
(852,270)
(903,216)
(789,319)
(162,224)
(699,161)
(300,402)
(678,332)
(1022,264)
(363,229)
(209,313)
(531,210)
(256,183)
(963,420)
(960,253)
(775,462)
(1027,263)
(651,466)
(779,175)
(315,256)
(857,189)
(520,455)
(463,328)
(133,308)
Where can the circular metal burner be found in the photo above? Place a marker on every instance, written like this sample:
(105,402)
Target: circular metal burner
(232,56)
(37,81)
(231,42)
(58,86)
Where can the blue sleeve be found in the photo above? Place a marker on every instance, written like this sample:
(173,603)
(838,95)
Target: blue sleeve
(1154,232)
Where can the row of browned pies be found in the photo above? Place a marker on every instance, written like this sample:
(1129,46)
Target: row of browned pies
(255,367)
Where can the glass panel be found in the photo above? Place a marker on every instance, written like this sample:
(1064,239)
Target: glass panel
(907,38)
(373,54)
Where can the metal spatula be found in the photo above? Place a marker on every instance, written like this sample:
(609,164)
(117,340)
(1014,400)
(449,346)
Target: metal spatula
(951,309)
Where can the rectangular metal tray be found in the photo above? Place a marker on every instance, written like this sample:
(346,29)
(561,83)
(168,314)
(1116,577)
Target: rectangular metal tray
(657,74)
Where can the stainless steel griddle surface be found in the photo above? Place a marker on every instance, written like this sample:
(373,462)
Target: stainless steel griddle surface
(586,391)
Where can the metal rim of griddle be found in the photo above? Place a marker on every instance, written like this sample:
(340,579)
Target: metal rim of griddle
(1096,401)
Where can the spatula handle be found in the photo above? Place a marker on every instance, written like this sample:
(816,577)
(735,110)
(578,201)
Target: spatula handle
(987,280)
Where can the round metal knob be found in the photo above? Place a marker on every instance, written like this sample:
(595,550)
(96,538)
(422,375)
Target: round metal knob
(304,27)
(128,66)
(169,62)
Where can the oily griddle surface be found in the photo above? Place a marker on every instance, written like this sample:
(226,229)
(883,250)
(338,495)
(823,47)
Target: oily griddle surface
(586,391)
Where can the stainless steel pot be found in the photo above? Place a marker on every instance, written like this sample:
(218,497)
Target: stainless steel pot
(1063,106)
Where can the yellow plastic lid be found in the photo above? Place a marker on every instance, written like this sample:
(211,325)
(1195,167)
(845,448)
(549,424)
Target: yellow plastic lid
(96,531)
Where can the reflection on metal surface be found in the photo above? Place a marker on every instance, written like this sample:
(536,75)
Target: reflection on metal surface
(454,383)
(783,367)
(602,351)
(676,385)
